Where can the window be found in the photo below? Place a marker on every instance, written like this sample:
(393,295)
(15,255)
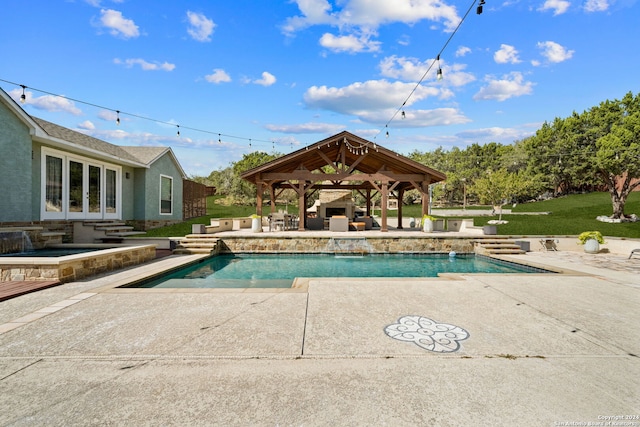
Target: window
(53,184)
(110,191)
(166,195)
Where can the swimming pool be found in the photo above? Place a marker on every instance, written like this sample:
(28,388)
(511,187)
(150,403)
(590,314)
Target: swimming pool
(279,271)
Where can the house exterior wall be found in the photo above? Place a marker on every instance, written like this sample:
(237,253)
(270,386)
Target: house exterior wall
(15,182)
(147,181)
(128,193)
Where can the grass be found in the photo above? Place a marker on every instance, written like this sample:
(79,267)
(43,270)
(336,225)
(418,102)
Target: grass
(568,216)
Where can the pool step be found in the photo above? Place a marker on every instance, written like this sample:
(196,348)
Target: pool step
(497,247)
(197,244)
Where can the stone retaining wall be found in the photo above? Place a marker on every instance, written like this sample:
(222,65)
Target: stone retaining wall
(74,267)
(323,244)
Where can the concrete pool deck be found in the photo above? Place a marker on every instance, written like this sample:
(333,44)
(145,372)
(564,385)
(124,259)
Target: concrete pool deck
(542,350)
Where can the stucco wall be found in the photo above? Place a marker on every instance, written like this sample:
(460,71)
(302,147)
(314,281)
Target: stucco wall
(15,168)
(162,166)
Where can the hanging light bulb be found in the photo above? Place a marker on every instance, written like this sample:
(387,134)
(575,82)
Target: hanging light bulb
(117,117)
(403,115)
(479,9)
(249,143)
(219,140)
(23,97)
(387,135)
(439,73)
(178,132)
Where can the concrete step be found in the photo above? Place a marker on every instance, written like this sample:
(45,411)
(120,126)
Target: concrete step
(506,251)
(125,233)
(183,245)
(191,251)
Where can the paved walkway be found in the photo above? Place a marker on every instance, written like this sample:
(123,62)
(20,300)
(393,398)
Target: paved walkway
(526,350)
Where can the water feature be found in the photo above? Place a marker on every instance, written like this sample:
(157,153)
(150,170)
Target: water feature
(349,246)
(15,242)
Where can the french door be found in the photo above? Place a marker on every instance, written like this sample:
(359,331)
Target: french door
(79,188)
(85,196)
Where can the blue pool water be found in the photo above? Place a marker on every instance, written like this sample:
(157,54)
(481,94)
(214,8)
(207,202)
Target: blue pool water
(279,271)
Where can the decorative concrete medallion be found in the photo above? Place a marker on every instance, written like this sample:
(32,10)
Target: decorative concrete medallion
(427,333)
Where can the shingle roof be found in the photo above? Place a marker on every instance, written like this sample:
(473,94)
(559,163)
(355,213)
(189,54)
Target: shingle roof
(85,141)
(146,155)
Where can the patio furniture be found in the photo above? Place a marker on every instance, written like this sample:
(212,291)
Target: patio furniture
(548,245)
(634,252)
(315,223)
(338,223)
(357,226)
(278,221)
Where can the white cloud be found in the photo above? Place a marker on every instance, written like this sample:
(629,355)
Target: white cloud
(596,5)
(87,125)
(373,101)
(312,127)
(267,79)
(46,102)
(108,115)
(462,51)
(200,27)
(411,69)
(418,118)
(218,76)
(558,6)
(495,134)
(366,15)
(554,52)
(509,86)
(146,66)
(507,54)
(117,24)
(350,43)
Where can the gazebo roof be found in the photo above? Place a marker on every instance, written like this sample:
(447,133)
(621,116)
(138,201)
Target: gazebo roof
(348,157)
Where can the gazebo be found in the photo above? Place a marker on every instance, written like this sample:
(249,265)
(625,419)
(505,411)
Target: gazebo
(344,162)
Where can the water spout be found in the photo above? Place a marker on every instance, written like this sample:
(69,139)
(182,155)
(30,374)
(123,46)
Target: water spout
(349,246)
(15,242)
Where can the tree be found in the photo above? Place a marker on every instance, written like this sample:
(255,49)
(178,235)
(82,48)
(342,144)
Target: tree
(617,148)
(498,187)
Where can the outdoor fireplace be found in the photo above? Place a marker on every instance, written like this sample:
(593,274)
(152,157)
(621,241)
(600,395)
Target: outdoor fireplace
(335,203)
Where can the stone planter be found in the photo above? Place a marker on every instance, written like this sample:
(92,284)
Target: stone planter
(256,225)
(591,246)
(489,230)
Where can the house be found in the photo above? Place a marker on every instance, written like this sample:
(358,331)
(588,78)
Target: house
(51,176)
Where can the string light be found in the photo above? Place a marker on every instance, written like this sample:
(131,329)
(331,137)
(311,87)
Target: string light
(479,9)
(178,133)
(23,97)
(119,112)
(439,73)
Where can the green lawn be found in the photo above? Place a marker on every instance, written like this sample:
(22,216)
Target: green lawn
(570,215)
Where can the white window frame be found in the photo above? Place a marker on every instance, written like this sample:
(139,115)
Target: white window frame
(66,158)
(170,178)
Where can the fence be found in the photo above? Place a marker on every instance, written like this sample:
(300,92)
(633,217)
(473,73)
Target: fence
(194,199)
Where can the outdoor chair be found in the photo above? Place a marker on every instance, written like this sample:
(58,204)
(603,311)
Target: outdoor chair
(278,221)
(338,223)
(634,252)
(548,244)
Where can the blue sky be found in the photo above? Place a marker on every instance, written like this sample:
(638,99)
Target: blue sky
(278,75)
